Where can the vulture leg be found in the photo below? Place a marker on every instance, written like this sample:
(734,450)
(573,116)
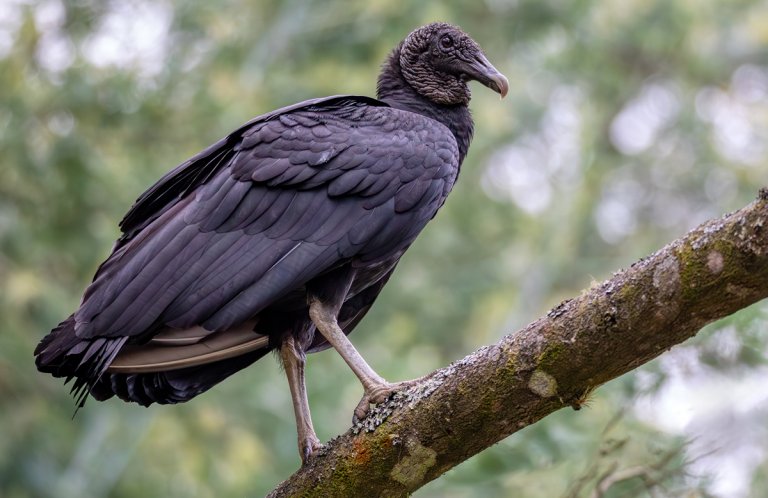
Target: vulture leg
(293,363)
(376,388)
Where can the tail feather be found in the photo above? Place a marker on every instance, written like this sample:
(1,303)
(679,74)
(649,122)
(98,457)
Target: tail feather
(85,363)
(170,387)
(63,354)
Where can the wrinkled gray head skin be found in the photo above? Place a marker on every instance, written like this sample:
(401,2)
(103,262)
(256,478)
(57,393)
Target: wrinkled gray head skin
(438,60)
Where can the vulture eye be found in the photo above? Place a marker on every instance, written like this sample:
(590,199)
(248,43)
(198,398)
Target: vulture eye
(446,42)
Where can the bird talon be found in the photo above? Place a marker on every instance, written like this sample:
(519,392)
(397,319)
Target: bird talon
(309,448)
(362,409)
(376,395)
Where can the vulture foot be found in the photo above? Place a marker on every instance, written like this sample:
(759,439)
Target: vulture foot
(378,394)
(309,447)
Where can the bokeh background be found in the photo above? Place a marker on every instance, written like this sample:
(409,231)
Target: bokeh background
(628,122)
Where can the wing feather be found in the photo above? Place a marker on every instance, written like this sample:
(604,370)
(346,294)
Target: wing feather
(252,218)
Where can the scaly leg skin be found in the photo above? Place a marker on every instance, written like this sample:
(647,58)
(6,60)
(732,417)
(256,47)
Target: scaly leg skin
(376,388)
(379,394)
(293,363)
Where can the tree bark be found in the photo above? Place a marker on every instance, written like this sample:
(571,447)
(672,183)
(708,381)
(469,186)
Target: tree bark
(555,362)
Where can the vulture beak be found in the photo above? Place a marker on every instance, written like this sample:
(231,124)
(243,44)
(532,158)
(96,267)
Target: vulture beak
(480,69)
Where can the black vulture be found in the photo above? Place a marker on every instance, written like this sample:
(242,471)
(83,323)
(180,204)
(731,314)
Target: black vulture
(289,226)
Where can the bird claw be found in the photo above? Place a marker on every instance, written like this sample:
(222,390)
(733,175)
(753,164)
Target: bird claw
(361,410)
(308,448)
(364,406)
(378,394)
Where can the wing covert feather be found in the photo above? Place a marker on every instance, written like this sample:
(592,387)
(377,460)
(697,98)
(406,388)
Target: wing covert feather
(284,199)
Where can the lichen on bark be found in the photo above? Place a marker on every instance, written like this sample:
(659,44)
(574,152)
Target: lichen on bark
(556,361)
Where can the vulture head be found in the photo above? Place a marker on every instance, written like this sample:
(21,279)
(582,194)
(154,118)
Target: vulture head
(438,60)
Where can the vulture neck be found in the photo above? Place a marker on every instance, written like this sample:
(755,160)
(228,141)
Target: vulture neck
(395,91)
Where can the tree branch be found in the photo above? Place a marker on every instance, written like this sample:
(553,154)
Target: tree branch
(610,329)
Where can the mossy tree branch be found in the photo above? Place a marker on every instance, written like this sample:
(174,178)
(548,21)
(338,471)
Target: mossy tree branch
(610,329)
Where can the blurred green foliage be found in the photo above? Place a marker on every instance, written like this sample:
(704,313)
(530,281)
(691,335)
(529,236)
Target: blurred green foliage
(628,122)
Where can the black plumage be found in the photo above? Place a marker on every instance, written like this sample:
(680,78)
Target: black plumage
(220,261)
